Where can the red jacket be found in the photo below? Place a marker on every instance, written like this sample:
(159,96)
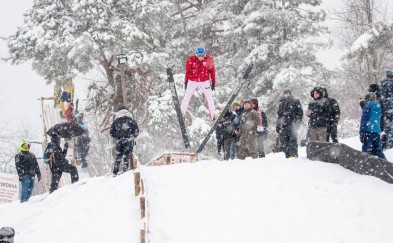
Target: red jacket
(69,114)
(200,71)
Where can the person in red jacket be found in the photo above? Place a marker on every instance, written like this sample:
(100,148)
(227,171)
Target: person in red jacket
(199,72)
(69,113)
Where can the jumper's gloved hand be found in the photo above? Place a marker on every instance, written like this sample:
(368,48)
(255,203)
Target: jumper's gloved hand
(66,145)
(213,87)
(185,86)
(39,177)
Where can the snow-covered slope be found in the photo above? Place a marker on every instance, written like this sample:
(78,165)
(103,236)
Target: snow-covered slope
(266,200)
(101,209)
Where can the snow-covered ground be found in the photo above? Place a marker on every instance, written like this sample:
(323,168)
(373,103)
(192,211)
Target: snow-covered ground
(266,200)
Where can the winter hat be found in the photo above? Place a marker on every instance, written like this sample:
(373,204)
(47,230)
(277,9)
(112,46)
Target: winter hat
(200,51)
(236,103)
(370,97)
(55,139)
(389,74)
(287,91)
(121,107)
(373,88)
(21,146)
(318,90)
(7,234)
(247,101)
(254,102)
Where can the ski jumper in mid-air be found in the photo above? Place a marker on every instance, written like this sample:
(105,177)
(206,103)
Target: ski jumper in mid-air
(199,72)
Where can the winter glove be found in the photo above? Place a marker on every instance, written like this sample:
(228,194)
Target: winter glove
(185,86)
(213,87)
(362,136)
(278,130)
(39,177)
(20,178)
(66,145)
(260,129)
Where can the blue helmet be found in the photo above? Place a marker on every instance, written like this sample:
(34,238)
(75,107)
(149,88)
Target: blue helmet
(200,51)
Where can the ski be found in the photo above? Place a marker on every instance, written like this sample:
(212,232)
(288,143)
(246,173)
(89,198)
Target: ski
(229,102)
(176,103)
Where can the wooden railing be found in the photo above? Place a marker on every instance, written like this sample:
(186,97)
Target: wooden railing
(140,191)
(141,187)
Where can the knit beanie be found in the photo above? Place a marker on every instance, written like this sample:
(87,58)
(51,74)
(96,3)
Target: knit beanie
(236,103)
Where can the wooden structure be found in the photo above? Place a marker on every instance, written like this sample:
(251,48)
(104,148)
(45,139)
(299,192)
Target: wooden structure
(170,158)
(141,188)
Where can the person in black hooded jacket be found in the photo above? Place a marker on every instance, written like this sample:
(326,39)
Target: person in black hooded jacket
(290,115)
(58,162)
(319,111)
(225,133)
(334,117)
(125,130)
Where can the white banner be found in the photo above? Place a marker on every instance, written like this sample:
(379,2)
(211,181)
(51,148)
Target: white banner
(9,187)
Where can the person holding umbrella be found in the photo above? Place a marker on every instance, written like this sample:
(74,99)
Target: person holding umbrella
(124,129)
(58,162)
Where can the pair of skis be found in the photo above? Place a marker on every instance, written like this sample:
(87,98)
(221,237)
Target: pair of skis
(213,128)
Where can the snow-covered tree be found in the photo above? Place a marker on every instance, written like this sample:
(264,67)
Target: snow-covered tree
(66,38)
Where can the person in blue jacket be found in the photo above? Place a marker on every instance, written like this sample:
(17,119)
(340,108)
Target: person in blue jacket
(370,126)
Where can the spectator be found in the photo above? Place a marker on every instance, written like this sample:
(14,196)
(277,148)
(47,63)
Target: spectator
(69,113)
(83,142)
(319,113)
(237,107)
(58,162)
(125,130)
(248,144)
(370,127)
(67,96)
(261,129)
(333,118)
(290,114)
(225,133)
(387,103)
(27,167)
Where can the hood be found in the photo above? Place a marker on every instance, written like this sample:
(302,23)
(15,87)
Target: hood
(318,90)
(255,102)
(123,113)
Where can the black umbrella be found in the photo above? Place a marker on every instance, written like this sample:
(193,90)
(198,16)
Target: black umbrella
(65,130)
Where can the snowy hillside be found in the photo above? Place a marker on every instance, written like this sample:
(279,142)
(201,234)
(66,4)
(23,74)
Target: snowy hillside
(266,200)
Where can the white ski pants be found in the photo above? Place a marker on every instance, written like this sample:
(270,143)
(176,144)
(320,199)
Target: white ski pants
(205,87)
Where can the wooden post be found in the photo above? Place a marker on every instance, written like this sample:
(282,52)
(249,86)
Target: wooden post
(143,239)
(123,84)
(137,180)
(143,208)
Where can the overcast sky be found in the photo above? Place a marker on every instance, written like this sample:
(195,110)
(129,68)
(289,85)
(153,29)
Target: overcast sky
(20,85)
